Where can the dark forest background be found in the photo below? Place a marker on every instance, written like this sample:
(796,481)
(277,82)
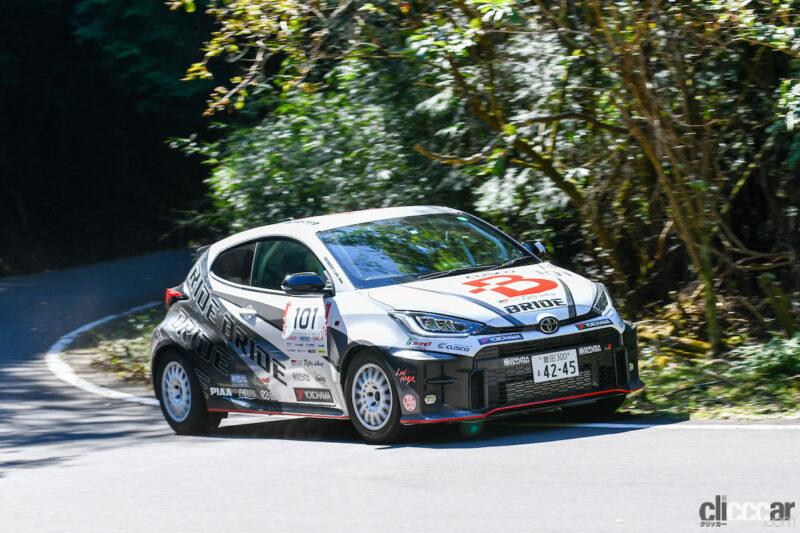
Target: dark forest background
(90,92)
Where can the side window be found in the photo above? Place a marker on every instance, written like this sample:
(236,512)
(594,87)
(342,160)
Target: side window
(276,258)
(234,264)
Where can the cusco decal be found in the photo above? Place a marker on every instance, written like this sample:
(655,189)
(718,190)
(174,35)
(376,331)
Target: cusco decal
(501,284)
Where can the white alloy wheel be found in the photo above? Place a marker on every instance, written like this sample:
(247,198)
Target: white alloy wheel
(176,392)
(372,397)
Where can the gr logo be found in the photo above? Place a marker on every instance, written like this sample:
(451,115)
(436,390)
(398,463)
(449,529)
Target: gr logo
(721,510)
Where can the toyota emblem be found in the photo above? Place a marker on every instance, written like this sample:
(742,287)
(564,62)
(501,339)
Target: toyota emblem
(548,324)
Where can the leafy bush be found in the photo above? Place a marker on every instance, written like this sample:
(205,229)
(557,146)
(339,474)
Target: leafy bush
(755,379)
(123,346)
(326,151)
(777,358)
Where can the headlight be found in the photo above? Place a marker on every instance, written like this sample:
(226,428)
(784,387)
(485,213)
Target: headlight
(602,302)
(430,324)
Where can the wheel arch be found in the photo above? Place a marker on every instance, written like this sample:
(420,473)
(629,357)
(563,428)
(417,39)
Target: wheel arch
(158,355)
(351,354)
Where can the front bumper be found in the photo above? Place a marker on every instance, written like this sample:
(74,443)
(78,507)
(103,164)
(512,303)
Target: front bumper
(487,386)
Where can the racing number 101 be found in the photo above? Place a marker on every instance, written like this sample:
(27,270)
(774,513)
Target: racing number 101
(304,315)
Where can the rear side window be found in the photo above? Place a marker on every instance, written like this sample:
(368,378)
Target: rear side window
(235,264)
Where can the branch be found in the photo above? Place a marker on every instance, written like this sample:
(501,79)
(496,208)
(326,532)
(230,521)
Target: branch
(452,159)
(575,116)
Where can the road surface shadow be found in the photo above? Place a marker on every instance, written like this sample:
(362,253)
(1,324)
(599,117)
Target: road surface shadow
(39,416)
(524,429)
(6,466)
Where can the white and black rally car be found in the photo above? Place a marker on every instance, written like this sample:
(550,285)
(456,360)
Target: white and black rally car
(389,317)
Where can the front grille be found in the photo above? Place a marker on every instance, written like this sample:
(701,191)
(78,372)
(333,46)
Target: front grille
(511,385)
(495,330)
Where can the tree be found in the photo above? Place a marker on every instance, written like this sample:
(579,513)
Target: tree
(634,112)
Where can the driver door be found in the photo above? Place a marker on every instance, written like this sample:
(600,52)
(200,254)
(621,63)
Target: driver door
(291,328)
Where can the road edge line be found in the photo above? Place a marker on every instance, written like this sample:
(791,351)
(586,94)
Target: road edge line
(63,371)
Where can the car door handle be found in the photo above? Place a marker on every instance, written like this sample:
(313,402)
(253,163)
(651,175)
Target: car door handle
(247,312)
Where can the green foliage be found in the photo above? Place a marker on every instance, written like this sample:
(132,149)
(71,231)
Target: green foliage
(636,134)
(755,379)
(315,152)
(325,151)
(779,358)
(122,346)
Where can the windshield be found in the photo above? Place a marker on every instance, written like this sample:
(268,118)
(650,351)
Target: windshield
(397,250)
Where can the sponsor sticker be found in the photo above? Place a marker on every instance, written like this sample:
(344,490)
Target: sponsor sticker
(265,395)
(247,394)
(409,402)
(588,325)
(500,338)
(453,347)
(313,395)
(300,376)
(547,303)
(592,348)
(511,285)
(515,361)
(406,376)
(238,379)
(416,343)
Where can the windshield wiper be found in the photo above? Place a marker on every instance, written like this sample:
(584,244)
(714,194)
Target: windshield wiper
(517,261)
(455,271)
(466,270)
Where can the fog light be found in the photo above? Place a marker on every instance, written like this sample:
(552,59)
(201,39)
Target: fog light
(630,367)
(430,399)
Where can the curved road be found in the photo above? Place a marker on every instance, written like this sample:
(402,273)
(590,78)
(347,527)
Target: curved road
(71,461)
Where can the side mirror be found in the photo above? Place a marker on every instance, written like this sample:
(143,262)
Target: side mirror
(536,248)
(304,283)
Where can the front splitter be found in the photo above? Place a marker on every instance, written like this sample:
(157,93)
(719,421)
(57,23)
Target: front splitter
(464,416)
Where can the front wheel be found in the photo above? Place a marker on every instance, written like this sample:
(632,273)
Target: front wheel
(372,399)
(181,398)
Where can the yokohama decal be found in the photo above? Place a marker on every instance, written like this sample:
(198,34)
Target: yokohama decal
(313,395)
(501,284)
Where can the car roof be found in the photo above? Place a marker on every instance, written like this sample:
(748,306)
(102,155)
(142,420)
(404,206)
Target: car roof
(348,218)
(304,228)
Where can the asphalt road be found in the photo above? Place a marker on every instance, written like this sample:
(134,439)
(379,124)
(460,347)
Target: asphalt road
(71,461)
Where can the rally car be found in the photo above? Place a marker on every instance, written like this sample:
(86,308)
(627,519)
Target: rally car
(389,317)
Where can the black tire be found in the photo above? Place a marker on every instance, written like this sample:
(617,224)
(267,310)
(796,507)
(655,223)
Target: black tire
(597,410)
(198,421)
(392,429)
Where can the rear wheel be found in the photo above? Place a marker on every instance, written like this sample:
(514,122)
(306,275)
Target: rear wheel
(596,410)
(181,397)
(372,399)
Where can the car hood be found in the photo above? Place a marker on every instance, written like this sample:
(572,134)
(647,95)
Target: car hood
(500,298)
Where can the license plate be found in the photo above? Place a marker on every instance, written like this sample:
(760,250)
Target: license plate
(554,365)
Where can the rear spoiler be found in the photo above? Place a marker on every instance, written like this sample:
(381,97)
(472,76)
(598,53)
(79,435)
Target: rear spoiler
(199,252)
